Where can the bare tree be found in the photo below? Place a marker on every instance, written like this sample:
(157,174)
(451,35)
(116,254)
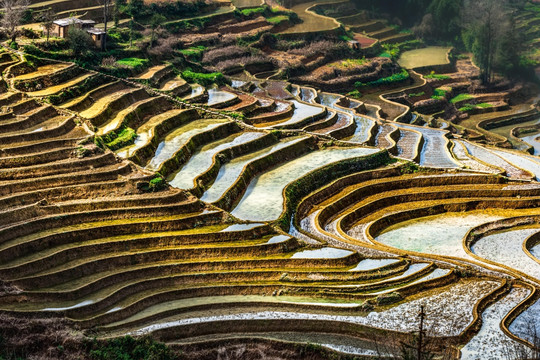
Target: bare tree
(47,18)
(485,22)
(12,14)
(108,5)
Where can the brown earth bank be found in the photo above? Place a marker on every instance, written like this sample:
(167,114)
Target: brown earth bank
(58,338)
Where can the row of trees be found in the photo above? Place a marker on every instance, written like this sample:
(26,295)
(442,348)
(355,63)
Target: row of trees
(484,27)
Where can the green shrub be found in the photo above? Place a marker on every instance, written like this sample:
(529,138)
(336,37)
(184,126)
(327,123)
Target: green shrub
(158,183)
(129,348)
(422,93)
(83,152)
(409,168)
(355,94)
(439,93)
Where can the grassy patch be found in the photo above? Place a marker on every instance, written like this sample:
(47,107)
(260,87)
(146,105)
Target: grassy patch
(439,93)
(422,93)
(252,11)
(125,137)
(437,76)
(396,78)
(484,105)
(129,348)
(193,53)
(461,97)
(467,107)
(349,63)
(133,62)
(276,20)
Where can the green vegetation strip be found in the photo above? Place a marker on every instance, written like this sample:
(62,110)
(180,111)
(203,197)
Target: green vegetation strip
(389,80)
(461,97)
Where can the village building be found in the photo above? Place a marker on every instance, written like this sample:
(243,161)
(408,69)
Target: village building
(61,28)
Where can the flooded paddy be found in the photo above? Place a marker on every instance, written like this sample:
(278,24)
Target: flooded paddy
(196,90)
(533,140)
(439,234)
(435,274)
(217,96)
(443,316)
(429,56)
(312,22)
(506,248)
(322,253)
(491,339)
(460,151)
(506,132)
(362,131)
(526,325)
(178,138)
(407,144)
(522,161)
(342,121)
(372,264)
(491,158)
(229,172)
(201,161)
(328,99)
(363,123)
(301,112)
(263,200)
(434,152)
(145,133)
(308,95)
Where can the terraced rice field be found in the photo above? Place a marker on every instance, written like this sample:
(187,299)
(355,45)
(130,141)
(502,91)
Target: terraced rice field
(280,234)
(429,56)
(312,22)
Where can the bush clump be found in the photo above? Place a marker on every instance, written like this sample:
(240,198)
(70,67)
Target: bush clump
(125,137)
(204,79)
(156,184)
(129,348)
